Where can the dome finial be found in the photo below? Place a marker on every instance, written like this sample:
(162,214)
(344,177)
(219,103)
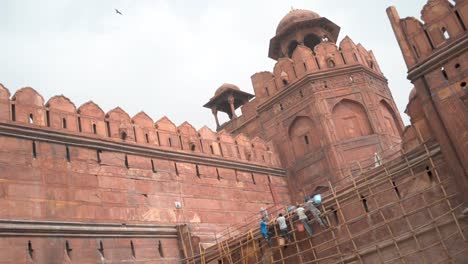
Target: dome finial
(292,8)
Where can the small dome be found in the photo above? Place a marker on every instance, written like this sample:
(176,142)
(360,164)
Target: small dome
(224,87)
(295,16)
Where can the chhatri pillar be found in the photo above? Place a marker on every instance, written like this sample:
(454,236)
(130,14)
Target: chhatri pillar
(227,99)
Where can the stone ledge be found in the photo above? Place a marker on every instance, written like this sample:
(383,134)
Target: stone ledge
(13,228)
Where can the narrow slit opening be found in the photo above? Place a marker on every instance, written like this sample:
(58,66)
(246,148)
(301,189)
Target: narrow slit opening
(34,149)
(132,247)
(47,118)
(101,248)
(160,249)
(211,149)
(364,204)
(429,39)
(335,216)
(180,142)
(135,134)
(220,149)
(153,168)
(30,250)
(98,155)
(342,57)
(316,62)
(13,112)
(68,248)
(67,150)
(108,128)
(460,20)
(126,162)
(429,174)
(197,169)
(397,191)
(79,125)
(157,137)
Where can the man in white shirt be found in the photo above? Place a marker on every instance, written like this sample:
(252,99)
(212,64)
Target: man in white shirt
(300,211)
(281,220)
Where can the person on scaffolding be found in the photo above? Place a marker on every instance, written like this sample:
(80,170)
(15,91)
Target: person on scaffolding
(300,211)
(310,203)
(284,232)
(264,230)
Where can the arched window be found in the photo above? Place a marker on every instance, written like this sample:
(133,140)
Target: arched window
(64,122)
(311,41)
(31,119)
(300,133)
(331,63)
(292,46)
(350,119)
(123,136)
(94,129)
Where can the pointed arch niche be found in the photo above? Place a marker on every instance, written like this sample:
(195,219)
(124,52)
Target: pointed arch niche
(302,137)
(351,120)
(389,119)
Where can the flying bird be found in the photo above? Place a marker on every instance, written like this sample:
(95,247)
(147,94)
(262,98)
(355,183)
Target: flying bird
(117,11)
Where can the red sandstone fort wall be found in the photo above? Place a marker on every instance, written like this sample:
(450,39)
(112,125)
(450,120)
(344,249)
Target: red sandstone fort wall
(63,164)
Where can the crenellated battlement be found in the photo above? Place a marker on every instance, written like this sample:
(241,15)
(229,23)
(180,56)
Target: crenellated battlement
(324,57)
(442,23)
(27,107)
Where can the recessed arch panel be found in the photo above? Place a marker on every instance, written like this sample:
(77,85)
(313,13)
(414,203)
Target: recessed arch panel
(351,120)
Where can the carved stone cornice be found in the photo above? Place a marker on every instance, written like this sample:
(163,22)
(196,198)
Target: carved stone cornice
(56,137)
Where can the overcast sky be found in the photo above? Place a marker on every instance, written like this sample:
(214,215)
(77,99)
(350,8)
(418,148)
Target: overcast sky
(167,57)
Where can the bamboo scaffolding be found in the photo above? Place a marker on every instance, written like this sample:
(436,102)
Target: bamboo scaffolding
(240,247)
